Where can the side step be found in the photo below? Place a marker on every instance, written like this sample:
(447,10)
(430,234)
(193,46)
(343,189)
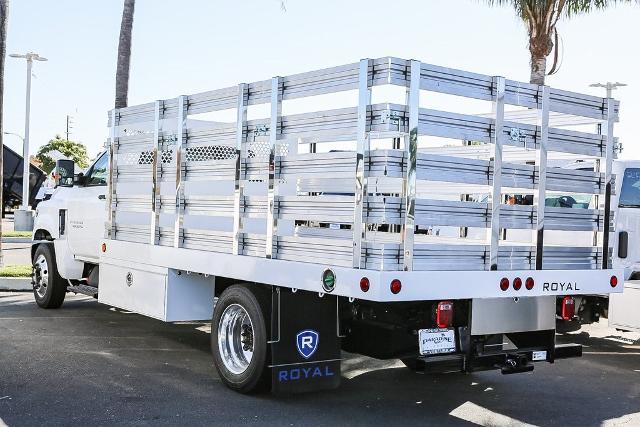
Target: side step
(84,289)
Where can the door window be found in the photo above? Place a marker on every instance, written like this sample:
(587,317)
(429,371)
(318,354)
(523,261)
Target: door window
(98,173)
(630,193)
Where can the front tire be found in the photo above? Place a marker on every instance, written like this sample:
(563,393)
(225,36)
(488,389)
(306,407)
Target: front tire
(49,289)
(239,338)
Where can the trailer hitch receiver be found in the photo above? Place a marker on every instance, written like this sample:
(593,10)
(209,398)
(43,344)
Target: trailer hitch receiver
(516,364)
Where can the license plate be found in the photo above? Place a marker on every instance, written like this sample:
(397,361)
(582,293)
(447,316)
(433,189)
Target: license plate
(436,341)
(537,356)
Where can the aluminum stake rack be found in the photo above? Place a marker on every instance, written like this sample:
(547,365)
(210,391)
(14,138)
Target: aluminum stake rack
(359,189)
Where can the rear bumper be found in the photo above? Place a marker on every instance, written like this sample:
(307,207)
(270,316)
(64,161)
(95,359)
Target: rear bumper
(509,362)
(434,285)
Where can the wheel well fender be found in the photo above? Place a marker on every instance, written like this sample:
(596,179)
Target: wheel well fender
(41,241)
(42,234)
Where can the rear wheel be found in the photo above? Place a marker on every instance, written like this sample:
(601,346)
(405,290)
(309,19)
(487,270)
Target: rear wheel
(49,288)
(239,339)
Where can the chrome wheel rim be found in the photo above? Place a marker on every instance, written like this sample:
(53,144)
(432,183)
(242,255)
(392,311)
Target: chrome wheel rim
(40,275)
(235,338)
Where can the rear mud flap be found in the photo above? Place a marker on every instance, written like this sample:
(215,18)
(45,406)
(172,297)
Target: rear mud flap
(305,346)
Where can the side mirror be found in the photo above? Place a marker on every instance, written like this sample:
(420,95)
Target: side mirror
(63,173)
(79,179)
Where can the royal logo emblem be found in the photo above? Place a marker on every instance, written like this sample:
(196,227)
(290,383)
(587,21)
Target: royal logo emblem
(307,342)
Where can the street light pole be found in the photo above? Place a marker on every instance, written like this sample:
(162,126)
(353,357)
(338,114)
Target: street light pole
(15,134)
(30,57)
(25,147)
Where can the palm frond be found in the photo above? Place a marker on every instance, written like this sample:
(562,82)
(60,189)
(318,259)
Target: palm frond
(567,8)
(577,7)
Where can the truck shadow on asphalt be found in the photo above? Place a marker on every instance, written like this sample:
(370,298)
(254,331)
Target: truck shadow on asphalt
(146,370)
(599,388)
(384,390)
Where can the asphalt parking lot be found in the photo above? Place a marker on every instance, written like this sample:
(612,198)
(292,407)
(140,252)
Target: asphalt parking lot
(89,364)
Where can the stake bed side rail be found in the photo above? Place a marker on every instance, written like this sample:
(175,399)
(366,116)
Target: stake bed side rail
(184,177)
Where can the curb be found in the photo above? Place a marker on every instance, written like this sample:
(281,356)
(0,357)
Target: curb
(16,240)
(15,284)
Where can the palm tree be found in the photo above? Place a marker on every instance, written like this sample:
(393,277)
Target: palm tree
(4,15)
(541,17)
(124,54)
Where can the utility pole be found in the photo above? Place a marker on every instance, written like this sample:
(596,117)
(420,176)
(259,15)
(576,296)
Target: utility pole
(69,126)
(24,216)
(609,86)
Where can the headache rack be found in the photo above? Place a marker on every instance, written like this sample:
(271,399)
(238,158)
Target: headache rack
(382,186)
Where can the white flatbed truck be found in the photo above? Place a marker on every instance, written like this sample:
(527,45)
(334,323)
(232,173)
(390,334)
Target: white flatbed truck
(301,231)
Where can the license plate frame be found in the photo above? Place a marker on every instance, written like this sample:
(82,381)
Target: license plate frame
(432,342)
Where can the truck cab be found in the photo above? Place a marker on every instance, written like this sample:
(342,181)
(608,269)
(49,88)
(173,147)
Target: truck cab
(626,203)
(623,308)
(68,228)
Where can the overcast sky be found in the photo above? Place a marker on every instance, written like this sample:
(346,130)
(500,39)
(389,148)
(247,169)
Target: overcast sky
(184,47)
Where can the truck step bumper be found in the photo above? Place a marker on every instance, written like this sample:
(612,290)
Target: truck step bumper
(509,362)
(565,351)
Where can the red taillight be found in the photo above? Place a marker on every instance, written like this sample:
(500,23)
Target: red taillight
(517,283)
(529,283)
(396,286)
(364,284)
(444,314)
(568,308)
(613,281)
(504,284)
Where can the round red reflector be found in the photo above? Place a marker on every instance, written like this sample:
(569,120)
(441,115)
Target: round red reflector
(396,286)
(517,283)
(104,247)
(364,284)
(504,284)
(529,283)
(613,281)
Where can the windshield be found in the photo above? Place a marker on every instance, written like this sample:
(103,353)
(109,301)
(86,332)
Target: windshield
(575,201)
(630,193)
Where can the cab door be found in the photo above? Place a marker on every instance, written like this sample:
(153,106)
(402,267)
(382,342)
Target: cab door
(626,204)
(87,214)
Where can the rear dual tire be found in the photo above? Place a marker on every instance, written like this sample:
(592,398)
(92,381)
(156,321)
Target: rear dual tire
(239,338)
